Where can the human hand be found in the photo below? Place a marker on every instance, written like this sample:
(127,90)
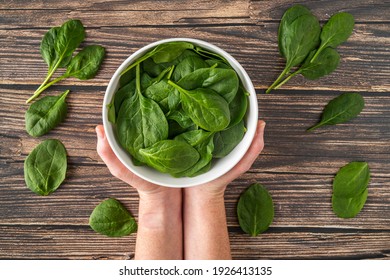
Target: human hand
(121,172)
(217,187)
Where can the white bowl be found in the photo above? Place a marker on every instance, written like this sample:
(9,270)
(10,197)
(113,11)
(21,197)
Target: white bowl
(219,166)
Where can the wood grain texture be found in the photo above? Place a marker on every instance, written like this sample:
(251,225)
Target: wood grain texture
(296,167)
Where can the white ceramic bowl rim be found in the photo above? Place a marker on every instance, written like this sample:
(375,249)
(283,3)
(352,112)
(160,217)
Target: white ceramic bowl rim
(219,166)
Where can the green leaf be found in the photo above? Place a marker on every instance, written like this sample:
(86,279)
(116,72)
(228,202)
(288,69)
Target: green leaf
(223,81)
(169,51)
(238,106)
(288,18)
(170,156)
(140,123)
(181,118)
(205,149)
(209,54)
(194,137)
(111,113)
(125,92)
(255,210)
(226,140)
(48,51)
(337,30)
(45,114)
(205,107)
(45,167)
(69,37)
(160,93)
(351,180)
(341,109)
(86,63)
(349,207)
(300,38)
(325,63)
(299,34)
(111,218)
(187,66)
(163,53)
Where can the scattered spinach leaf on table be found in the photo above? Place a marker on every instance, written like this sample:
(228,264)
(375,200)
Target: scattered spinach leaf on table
(350,189)
(45,167)
(45,114)
(57,48)
(341,109)
(112,219)
(303,44)
(255,210)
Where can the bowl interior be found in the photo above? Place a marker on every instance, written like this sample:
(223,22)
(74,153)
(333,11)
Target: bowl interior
(219,166)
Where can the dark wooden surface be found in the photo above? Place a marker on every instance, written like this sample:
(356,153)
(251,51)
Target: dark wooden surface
(296,167)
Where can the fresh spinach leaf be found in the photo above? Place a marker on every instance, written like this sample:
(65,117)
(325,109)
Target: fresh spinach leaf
(288,18)
(170,156)
(122,94)
(341,109)
(57,48)
(255,210)
(187,66)
(205,107)
(45,114)
(299,39)
(218,63)
(111,218)
(223,81)
(48,51)
(350,189)
(194,137)
(336,31)
(163,53)
(226,140)
(111,113)
(181,118)
(86,63)
(45,167)
(160,92)
(205,149)
(349,207)
(325,63)
(238,106)
(351,180)
(209,54)
(141,122)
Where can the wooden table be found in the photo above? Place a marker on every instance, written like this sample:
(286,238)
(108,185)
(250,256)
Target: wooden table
(296,167)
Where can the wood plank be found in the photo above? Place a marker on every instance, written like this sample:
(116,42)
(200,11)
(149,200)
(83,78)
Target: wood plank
(364,66)
(261,10)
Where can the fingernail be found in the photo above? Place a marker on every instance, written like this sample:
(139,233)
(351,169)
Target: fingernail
(262,124)
(99,132)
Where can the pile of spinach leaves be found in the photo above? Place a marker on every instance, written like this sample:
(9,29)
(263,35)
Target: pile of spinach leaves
(178,107)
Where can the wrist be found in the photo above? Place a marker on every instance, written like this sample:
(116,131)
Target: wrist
(160,210)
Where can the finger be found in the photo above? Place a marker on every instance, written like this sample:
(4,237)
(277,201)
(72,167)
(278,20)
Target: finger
(115,166)
(249,158)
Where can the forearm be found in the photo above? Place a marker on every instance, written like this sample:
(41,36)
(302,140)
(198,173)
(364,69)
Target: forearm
(205,228)
(160,230)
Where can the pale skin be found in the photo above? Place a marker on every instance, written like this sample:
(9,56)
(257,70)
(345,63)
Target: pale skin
(174,223)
